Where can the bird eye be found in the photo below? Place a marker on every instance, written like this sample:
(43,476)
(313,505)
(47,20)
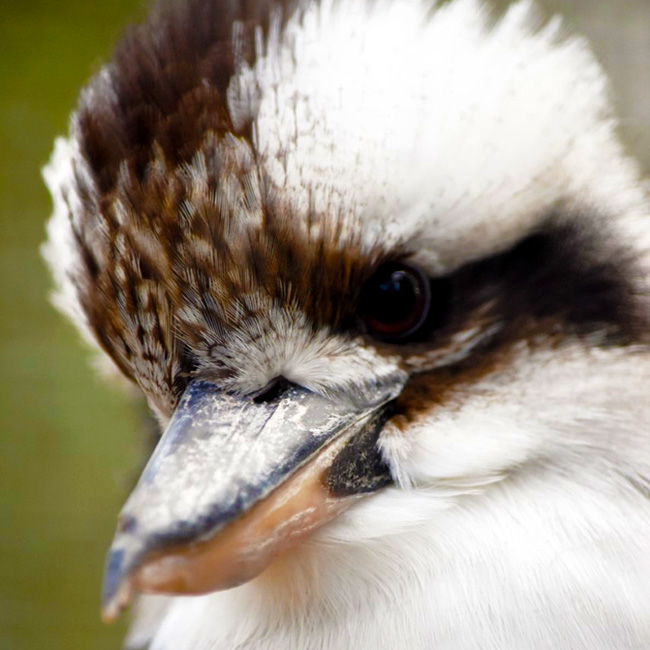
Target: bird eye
(395,302)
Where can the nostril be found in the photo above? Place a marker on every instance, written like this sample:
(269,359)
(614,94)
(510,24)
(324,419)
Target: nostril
(126,524)
(272,390)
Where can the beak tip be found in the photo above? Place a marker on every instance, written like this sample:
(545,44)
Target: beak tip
(112,609)
(116,592)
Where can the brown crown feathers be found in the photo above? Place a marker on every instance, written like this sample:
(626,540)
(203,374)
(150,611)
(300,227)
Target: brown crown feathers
(180,223)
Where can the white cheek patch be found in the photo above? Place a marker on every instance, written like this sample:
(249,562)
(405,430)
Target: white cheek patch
(433,130)
(535,410)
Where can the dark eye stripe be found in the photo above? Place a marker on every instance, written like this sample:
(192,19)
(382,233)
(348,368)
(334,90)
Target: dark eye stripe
(556,279)
(561,276)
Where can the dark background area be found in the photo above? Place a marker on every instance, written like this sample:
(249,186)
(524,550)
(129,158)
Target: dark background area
(68,444)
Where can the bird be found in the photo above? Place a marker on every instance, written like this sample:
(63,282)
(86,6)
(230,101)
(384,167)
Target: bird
(381,271)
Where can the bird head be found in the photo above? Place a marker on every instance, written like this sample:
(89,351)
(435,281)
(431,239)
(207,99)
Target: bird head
(366,261)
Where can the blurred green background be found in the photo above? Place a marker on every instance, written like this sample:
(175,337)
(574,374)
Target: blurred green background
(68,444)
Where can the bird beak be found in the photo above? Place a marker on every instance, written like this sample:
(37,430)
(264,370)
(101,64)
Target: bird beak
(234,482)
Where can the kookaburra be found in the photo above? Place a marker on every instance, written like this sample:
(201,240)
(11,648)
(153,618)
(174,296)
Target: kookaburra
(381,269)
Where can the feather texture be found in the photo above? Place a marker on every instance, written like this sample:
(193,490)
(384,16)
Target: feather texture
(232,178)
